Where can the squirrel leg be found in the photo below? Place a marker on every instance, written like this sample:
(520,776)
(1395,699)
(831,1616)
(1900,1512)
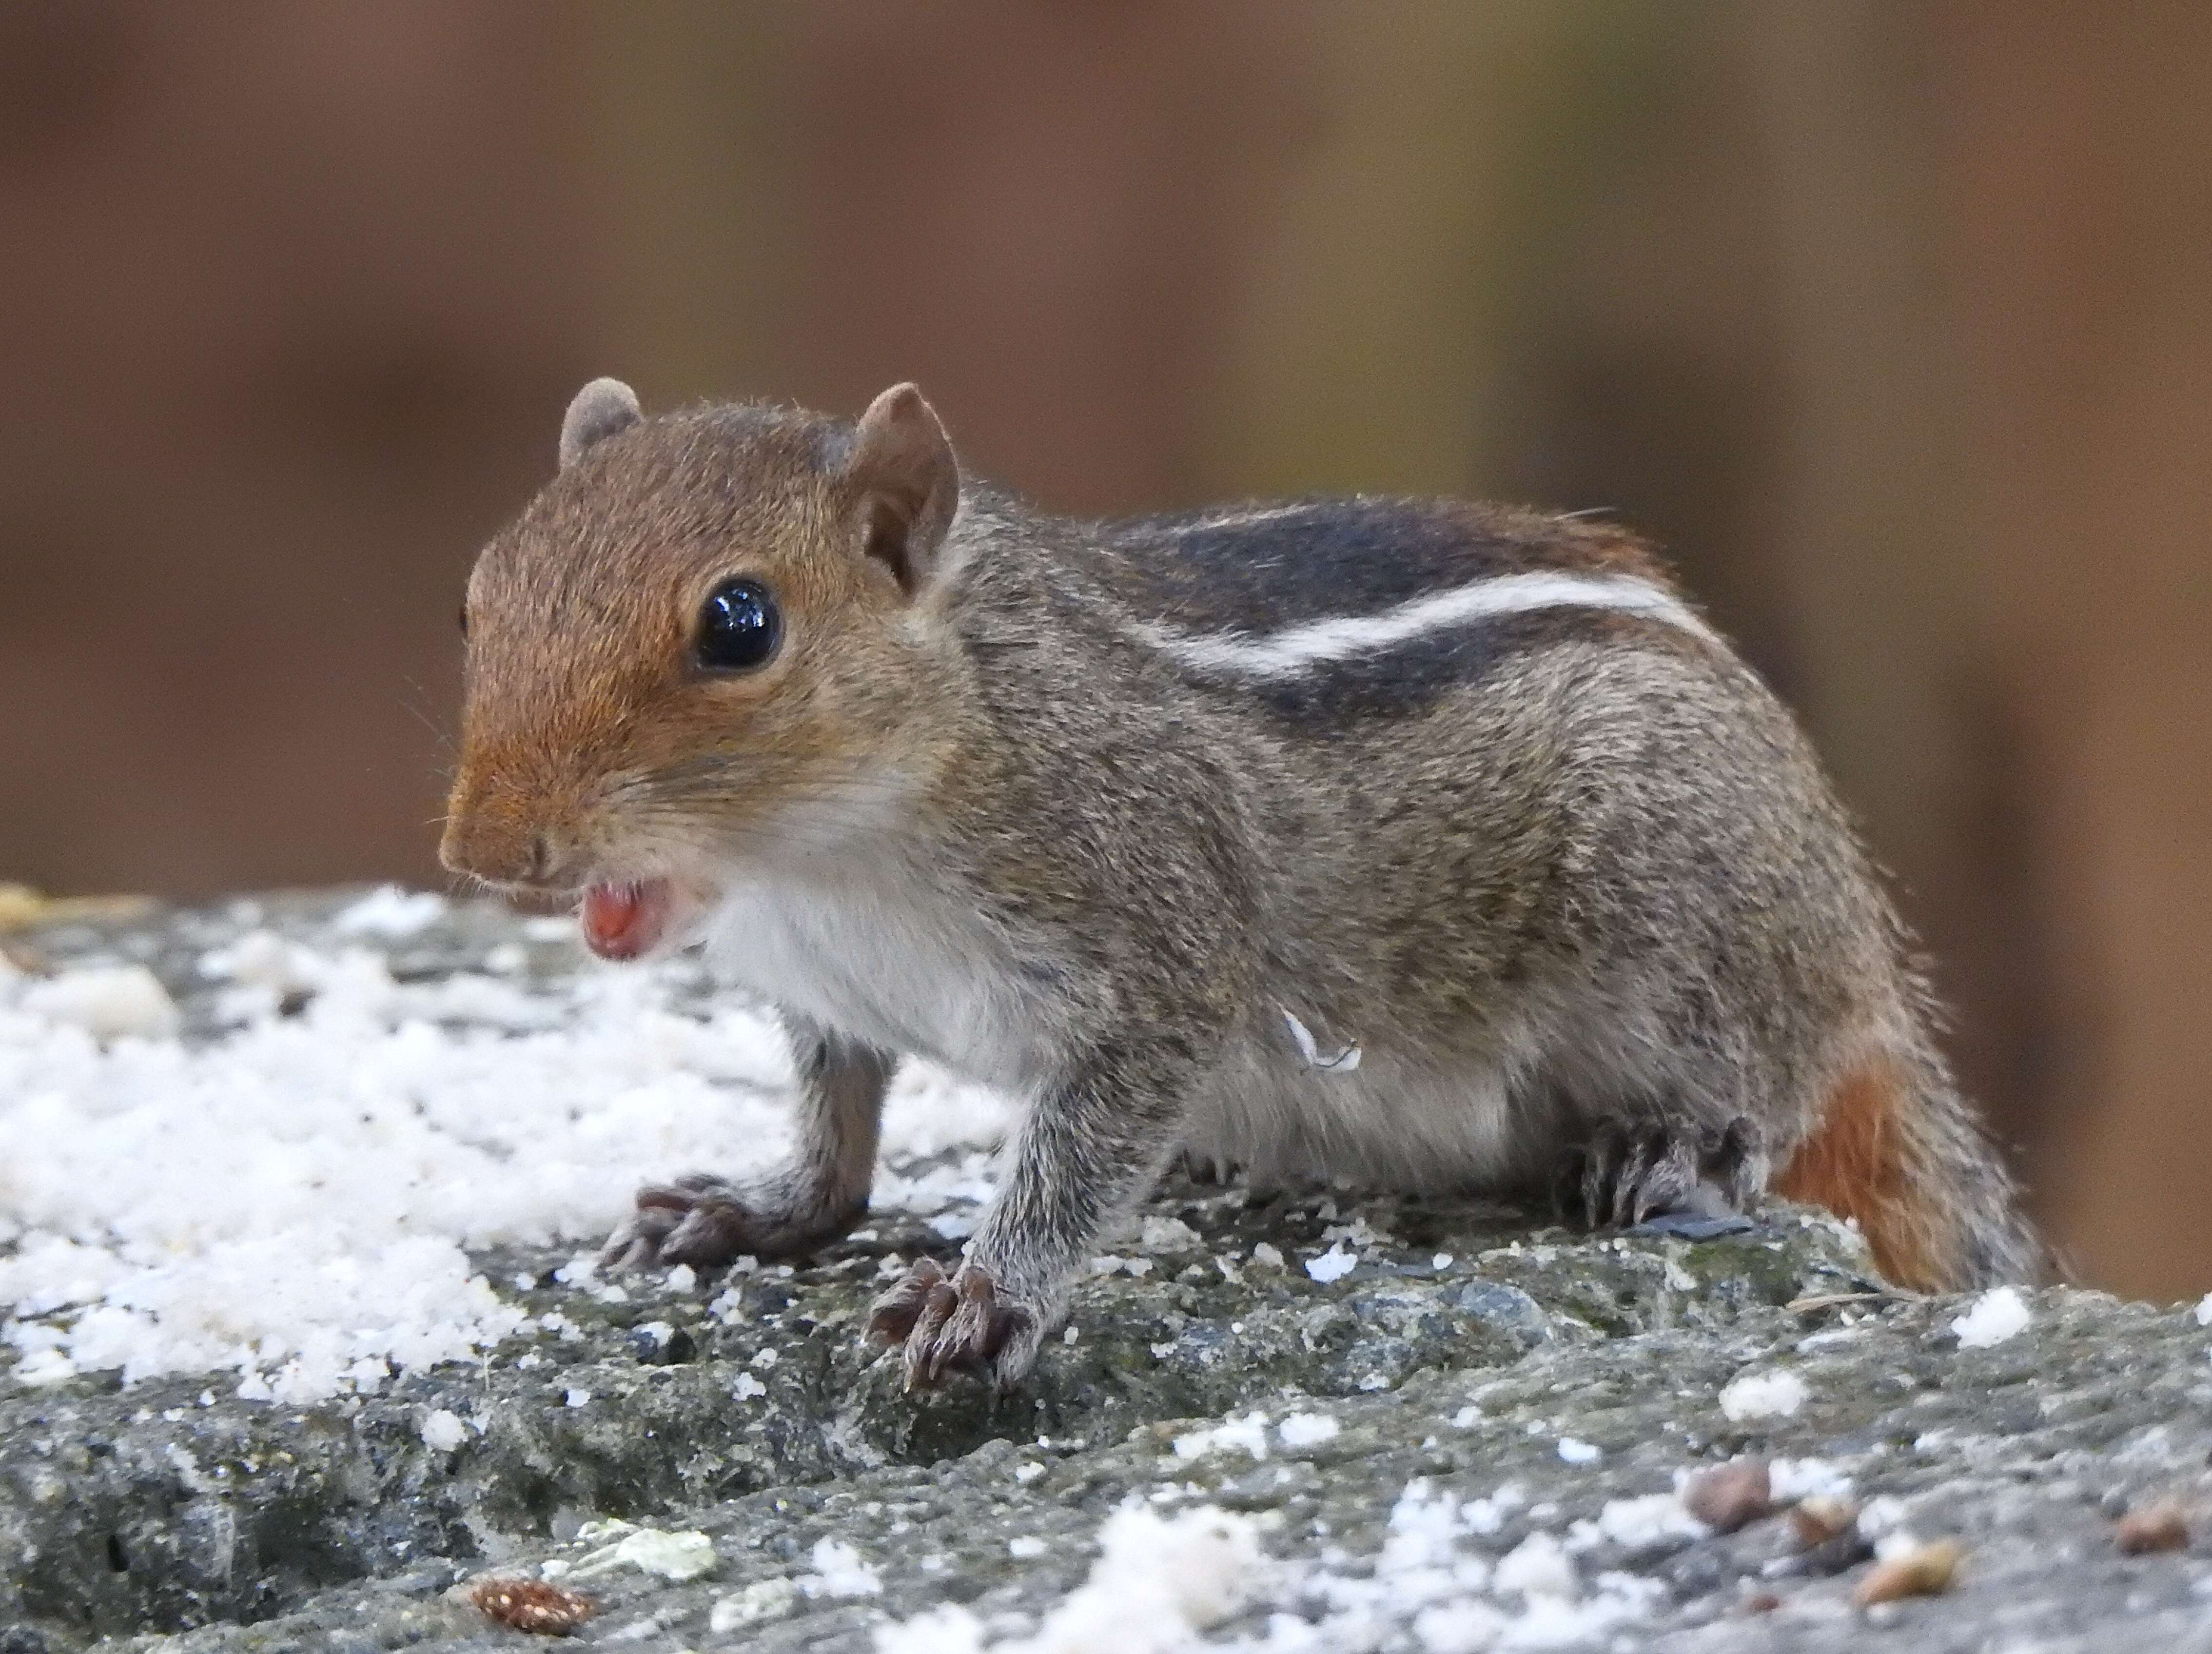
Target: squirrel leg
(1204,1166)
(707,1220)
(1627,1172)
(1087,1151)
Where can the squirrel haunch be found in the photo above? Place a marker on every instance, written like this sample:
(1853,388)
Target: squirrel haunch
(1427,843)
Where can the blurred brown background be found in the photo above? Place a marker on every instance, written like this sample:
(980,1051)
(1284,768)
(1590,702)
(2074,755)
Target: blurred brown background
(1893,320)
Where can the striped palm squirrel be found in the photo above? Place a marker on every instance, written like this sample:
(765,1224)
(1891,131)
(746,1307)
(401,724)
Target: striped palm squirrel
(1421,841)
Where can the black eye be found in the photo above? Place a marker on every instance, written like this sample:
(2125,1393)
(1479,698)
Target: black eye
(740,627)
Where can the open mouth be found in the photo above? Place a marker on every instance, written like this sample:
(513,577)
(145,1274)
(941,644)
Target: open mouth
(627,921)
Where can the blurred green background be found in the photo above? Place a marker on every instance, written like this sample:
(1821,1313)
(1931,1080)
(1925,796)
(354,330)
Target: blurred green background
(1891,321)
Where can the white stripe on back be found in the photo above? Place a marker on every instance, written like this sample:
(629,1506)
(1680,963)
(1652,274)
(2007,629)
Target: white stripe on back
(1237,517)
(1288,652)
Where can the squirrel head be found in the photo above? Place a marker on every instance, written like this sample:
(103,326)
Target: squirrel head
(707,643)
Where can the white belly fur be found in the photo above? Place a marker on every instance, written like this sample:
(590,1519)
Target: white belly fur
(906,977)
(1388,1122)
(916,976)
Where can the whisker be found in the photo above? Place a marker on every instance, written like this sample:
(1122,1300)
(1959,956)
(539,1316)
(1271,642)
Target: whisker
(438,731)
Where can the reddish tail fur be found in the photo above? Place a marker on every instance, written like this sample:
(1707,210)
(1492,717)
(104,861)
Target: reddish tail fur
(1864,1163)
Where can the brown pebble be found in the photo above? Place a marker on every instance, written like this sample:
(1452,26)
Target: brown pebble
(536,1605)
(1761,1601)
(1923,1571)
(2159,1527)
(1819,1519)
(1833,1556)
(1730,1495)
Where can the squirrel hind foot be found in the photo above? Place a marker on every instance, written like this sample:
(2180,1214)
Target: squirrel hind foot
(1628,1172)
(1207,1169)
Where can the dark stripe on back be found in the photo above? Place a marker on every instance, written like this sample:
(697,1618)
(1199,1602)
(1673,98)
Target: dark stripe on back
(1343,557)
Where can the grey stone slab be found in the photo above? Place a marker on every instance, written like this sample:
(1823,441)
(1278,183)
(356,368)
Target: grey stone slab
(1460,1352)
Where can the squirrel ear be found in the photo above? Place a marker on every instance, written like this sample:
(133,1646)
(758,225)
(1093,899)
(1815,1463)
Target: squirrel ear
(902,468)
(596,412)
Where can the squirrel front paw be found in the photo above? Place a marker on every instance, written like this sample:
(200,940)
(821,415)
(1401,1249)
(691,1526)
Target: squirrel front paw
(963,1321)
(707,1221)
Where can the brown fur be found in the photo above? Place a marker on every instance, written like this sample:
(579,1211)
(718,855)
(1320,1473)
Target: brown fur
(1859,1165)
(556,729)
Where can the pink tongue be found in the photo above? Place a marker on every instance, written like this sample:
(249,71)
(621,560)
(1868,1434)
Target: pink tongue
(621,922)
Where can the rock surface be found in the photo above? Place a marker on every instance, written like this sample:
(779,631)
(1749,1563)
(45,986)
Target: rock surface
(1474,1436)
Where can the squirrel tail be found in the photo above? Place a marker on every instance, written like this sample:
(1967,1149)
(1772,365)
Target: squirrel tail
(1899,1151)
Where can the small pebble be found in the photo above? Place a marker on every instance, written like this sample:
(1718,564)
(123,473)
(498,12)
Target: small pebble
(2158,1527)
(1818,1519)
(1730,1496)
(533,1605)
(1923,1571)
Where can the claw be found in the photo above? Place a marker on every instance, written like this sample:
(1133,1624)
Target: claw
(706,1221)
(1623,1177)
(1739,1162)
(951,1323)
(636,1243)
(1599,1160)
(1628,1180)
(927,1348)
(1667,1184)
(713,1232)
(892,1315)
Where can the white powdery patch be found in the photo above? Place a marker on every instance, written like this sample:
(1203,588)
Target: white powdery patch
(1248,1434)
(1789,1481)
(1429,1580)
(293,1201)
(389,912)
(1996,1314)
(1538,1566)
(1157,1582)
(108,1002)
(443,1431)
(765,1599)
(1308,1429)
(840,1571)
(1763,1395)
(1158,1234)
(1332,1265)
(1162,1583)
(1106,1262)
(2204,1310)
(1647,1520)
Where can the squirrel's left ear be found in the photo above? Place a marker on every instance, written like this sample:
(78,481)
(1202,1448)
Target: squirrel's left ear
(595,413)
(906,482)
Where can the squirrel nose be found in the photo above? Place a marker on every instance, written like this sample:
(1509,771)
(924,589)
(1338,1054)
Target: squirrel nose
(488,845)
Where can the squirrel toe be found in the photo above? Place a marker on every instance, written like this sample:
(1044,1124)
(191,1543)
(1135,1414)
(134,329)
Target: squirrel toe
(956,1324)
(1625,1174)
(707,1221)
